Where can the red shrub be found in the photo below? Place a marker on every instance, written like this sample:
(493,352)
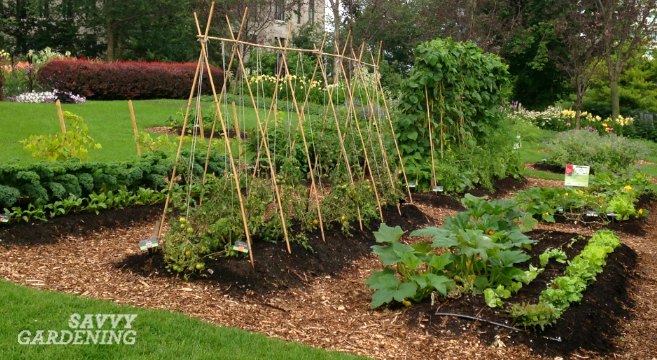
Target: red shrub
(2,79)
(124,80)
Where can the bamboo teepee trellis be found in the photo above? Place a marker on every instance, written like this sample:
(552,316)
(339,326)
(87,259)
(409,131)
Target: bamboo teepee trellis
(367,134)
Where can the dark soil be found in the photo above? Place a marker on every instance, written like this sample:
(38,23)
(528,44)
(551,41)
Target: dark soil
(557,169)
(501,187)
(40,232)
(275,268)
(591,325)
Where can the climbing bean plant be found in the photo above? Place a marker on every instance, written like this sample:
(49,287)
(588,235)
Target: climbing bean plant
(459,89)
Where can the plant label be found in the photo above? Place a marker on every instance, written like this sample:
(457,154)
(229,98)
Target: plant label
(148,244)
(560,209)
(577,175)
(591,213)
(438,188)
(4,218)
(412,184)
(241,246)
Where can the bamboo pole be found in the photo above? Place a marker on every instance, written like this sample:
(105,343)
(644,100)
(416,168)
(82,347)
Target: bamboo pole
(135,131)
(180,143)
(60,116)
(228,148)
(433,161)
(289,48)
(300,118)
(267,152)
(374,120)
(343,149)
(223,91)
(394,138)
(237,133)
(362,140)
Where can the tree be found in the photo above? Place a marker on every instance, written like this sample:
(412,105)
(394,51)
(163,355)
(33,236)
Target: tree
(577,26)
(626,28)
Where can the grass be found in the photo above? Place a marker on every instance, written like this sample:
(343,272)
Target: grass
(109,124)
(159,334)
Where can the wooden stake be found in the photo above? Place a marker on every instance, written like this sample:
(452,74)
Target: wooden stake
(263,134)
(394,138)
(375,121)
(237,133)
(300,118)
(340,136)
(433,161)
(221,94)
(179,151)
(135,131)
(60,115)
(350,89)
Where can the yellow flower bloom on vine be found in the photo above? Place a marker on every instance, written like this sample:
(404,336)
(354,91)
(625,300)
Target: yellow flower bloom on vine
(627,187)
(640,211)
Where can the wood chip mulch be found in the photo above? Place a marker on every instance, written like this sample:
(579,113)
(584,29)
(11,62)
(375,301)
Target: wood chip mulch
(329,310)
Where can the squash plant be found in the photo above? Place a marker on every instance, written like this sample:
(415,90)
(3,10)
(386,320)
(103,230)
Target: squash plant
(478,249)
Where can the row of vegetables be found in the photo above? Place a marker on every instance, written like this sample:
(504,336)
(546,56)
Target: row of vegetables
(484,250)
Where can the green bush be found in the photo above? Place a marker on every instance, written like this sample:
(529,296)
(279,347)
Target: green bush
(604,153)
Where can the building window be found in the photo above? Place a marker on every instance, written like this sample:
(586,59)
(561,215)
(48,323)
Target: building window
(279,10)
(311,11)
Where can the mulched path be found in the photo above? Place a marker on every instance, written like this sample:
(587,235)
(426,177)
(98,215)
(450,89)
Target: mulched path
(319,298)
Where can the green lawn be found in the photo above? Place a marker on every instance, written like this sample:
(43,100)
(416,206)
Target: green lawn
(109,123)
(158,334)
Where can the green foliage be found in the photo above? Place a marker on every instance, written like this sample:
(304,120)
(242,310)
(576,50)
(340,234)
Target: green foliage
(421,269)
(610,153)
(8,196)
(567,289)
(477,251)
(533,315)
(557,254)
(636,87)
(74,143)
(465,89)
(47,182)
(92,203)
(607,196)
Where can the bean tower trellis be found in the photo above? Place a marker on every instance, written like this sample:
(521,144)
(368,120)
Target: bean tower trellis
(348,104)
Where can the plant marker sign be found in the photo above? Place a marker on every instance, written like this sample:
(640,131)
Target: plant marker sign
(4,219)
(241,246)
(577,175)
(148,244)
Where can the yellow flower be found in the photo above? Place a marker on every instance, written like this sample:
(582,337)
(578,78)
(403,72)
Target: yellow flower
(406,303)
(627,187)
(640,211)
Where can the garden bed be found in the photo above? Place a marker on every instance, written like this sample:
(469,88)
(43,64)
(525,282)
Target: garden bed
(320,299)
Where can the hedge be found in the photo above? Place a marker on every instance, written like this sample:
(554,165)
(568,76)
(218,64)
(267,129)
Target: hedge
(124,80)
(46,182)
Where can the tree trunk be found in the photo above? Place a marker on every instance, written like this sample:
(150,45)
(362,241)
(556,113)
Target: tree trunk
(614,69)
(580,88)
(111,40)
(335,8)
(615,97)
